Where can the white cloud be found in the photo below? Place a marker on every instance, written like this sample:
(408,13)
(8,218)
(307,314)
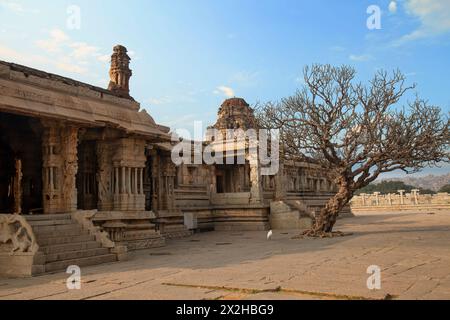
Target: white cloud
(245,78)
(67,66)
(17,7)
(11,55)
(82,50)
(360,58)
(226,91)
(160,101)
(12,5)
(393,7)
(68,55)
(337,48)
(104,58)
(434,17)
(55,42)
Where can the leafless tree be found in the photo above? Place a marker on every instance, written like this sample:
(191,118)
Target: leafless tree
(356,132)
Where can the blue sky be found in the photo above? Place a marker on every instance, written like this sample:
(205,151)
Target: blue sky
(188,56)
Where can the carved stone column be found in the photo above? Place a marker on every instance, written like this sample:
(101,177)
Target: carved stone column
(128,158)
(255,178)
(60,166)
(50,171)
(169,173)
(106,176)
(280,187)
(69,144)
(18,187)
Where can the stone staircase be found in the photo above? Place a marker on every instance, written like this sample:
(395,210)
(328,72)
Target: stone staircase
(63,242)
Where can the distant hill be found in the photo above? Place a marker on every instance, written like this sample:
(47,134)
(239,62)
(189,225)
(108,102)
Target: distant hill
(430,182)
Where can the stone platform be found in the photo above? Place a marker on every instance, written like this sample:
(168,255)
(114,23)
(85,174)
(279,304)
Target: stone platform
(411,250)
(131,229)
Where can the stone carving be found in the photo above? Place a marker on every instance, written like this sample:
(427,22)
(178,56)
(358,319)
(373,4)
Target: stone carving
(15,229)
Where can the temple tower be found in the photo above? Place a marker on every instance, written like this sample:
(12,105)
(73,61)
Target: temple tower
(120,72)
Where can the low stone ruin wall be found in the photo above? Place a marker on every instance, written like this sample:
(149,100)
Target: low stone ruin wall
(400,202)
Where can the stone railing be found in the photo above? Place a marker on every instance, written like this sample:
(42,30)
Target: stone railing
(401,200)
(85,219)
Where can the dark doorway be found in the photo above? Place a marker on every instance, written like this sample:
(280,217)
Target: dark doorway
(220,184)
(20,164)
(86,180)
(6,178)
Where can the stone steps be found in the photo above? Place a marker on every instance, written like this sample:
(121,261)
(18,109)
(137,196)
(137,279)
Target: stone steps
(63,242)
(42,230)
(81,262)
(39,223)
(61,233)
(48,217)
(51,249)
(71,255)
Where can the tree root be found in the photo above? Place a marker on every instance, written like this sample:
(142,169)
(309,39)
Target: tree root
(321,234)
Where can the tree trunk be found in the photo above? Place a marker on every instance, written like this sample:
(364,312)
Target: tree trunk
(327,217)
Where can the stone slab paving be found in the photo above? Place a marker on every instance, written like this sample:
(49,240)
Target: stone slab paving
(412,250)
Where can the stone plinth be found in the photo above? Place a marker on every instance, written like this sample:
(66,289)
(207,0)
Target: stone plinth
(283,217)
(171,224)
(131,229)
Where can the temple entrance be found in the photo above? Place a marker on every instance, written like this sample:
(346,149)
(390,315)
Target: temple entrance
(20,164)
(232,178)
(86,180)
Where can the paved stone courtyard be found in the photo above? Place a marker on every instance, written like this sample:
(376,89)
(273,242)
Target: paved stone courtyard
(412,249)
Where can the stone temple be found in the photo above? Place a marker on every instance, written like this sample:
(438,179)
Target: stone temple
(86,175)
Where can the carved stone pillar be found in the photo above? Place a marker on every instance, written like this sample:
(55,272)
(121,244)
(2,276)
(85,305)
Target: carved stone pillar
(18,187)
(255,179)
(69,144)
(60,166)
(128,159)
(107,176)
(280,186)
(166,193)
(50,172)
